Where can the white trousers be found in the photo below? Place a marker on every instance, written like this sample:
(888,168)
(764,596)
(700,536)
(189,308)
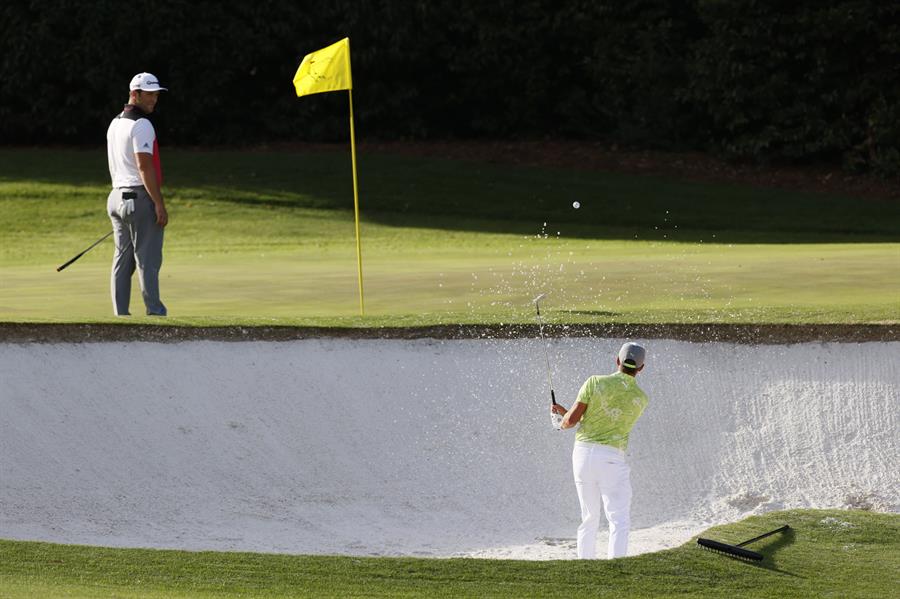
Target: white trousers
(603,482)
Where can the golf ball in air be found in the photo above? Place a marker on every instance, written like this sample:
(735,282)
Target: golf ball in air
(576,205)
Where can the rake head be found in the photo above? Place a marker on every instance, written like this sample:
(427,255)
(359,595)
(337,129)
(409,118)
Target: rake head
(738,550)
(730,550)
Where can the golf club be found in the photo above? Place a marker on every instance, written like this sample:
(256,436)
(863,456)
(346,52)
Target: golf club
(555,419)
(84,252)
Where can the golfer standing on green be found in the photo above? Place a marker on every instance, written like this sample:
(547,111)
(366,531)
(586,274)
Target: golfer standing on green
(135,205)
(607,408)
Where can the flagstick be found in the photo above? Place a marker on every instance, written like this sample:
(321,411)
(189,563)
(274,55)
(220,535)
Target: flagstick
(362,311)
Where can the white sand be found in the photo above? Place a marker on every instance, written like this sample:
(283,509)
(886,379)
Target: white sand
(426,448)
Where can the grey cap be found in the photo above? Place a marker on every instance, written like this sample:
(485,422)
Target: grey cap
(632,355)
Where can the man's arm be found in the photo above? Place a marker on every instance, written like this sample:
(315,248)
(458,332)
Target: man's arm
(571,417)
(148,176)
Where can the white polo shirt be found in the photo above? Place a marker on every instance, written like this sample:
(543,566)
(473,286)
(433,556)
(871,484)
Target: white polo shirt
(125,137)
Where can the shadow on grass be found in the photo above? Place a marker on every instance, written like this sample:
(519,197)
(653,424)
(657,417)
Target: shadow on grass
(770,551)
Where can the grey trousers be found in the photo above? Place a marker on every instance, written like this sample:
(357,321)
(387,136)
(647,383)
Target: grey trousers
(139,242)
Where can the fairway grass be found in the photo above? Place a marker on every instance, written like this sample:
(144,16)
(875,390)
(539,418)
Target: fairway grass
(828,553)
(268,238)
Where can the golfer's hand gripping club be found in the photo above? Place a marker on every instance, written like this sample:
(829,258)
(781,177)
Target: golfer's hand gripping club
(556,418)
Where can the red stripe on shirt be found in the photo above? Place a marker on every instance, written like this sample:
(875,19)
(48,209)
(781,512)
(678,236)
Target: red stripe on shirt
(157,165)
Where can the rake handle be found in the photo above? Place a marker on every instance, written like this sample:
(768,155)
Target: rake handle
(763,536)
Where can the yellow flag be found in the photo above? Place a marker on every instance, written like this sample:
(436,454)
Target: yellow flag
(325,70)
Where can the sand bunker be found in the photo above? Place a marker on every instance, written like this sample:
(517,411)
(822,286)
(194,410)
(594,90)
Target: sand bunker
(423,447)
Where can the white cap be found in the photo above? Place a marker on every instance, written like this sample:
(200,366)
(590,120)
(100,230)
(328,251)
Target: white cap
(146,83)
(632,355)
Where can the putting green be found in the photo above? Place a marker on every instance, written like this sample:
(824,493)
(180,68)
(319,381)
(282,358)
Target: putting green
(588,281)
(242,251)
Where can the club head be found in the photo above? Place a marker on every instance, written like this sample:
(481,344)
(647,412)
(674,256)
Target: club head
(538,298)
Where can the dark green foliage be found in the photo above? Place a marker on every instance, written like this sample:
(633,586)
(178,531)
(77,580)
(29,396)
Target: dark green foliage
(800,80)
(756,80)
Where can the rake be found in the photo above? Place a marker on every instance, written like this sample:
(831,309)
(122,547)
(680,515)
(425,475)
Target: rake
(738,550)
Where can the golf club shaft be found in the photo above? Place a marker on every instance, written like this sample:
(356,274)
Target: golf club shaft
(555,419)
(546,353)
(89,248)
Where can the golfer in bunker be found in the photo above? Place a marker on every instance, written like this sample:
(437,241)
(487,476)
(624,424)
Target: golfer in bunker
(606,409)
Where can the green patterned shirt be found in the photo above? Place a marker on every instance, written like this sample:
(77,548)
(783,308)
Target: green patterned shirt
(614,403)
